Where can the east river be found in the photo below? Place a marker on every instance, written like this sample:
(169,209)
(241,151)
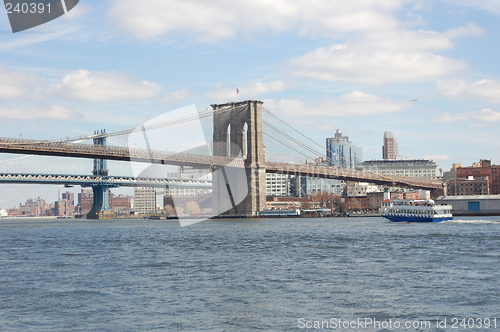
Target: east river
(345,274)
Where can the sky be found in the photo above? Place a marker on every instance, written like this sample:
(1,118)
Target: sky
(425,70)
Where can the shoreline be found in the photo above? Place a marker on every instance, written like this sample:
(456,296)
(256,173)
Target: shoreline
(154,217)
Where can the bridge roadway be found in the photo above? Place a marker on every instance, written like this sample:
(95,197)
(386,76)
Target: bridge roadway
(111,181)
(78,150)
(91,151)
(351,175)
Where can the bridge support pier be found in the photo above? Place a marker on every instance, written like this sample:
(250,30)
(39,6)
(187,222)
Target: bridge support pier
(100,205)
(238,132)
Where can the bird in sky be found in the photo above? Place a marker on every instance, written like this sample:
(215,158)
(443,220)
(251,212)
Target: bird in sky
(413,99)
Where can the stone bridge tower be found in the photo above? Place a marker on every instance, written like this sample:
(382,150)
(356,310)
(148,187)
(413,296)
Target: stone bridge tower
(238,133)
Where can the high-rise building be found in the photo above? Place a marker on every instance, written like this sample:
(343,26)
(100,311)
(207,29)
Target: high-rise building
(144,200)
(63,207)
(390,147)
(342,153)
(69,197)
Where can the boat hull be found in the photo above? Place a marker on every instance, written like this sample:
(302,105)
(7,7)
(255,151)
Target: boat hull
(416,219)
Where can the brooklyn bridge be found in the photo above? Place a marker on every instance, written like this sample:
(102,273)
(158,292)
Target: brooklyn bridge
(237,154)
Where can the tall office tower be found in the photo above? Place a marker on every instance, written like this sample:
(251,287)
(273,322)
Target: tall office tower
(342,153)
(144,200)
(390,148)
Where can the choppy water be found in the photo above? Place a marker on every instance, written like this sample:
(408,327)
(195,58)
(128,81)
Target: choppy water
(246,275)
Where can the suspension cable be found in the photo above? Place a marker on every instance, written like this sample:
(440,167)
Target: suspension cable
(274,138)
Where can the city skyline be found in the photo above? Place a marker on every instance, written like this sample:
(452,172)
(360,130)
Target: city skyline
(56,189)
(425,71)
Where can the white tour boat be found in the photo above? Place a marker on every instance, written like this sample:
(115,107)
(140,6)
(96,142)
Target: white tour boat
(418,211)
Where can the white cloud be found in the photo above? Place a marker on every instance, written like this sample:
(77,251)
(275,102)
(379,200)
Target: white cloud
(469,30)
(486,88)
(452,87)
(53,112)
(176,96)
(246,91)
(422,5)
(488,5)
(385,55)
(318,17)
(402,41)
(104,86)
(435,157)
(221,19)
(486,115)
(354,104)
(78,11)
(22,41)
(334,64)
(450,117)
(378,49)
(16,83)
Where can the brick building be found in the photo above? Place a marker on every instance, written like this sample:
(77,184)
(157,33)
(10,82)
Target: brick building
(469,186)
(482,170)
(119,204)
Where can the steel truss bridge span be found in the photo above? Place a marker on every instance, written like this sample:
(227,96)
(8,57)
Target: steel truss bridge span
(111,181)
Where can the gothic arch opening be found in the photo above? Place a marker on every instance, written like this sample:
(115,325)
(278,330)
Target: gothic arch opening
(245,141)
(227,141)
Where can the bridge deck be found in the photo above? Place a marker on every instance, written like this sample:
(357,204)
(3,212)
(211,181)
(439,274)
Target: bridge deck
(111,181)
(350,175)
(90,151)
